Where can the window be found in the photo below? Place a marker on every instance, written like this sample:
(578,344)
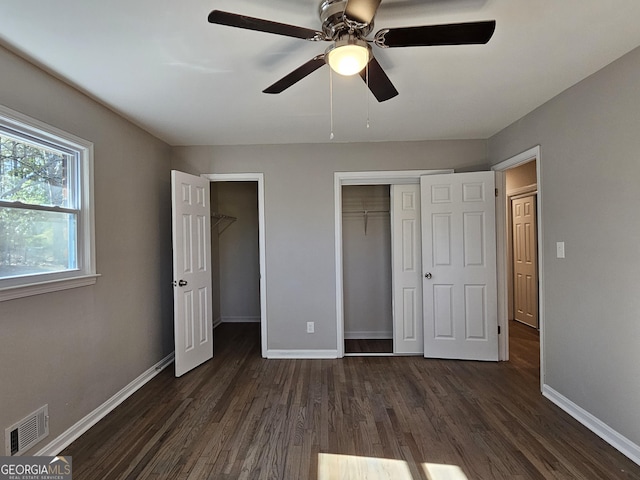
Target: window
(46,215)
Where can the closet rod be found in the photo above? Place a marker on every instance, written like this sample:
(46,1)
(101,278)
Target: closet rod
(366,215)
(366,212)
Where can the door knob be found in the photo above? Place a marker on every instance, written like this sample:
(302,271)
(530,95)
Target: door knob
(182,283)
(427,275)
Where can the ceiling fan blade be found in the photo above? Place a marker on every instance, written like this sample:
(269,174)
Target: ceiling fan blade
(297,75)
(361,11)
(379,83)
(250,23)
(428,35)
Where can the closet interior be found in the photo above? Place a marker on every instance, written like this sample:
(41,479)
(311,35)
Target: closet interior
(366,237)
(235,253)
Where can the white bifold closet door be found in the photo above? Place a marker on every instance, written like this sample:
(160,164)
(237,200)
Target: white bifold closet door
(406,258)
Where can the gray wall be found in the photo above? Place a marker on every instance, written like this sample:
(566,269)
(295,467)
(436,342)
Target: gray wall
(299,215)
(74,349)
(366,262)
(590,162)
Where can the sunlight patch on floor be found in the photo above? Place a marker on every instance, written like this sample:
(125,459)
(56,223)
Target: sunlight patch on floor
(344,467)
(437,471)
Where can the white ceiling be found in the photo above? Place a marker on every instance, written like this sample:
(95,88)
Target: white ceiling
(163,66)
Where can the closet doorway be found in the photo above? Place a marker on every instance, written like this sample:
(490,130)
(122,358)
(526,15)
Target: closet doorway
(237,250)
(364,305)
(366,249)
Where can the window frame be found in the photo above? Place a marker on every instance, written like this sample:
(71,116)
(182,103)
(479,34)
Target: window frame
(85,274)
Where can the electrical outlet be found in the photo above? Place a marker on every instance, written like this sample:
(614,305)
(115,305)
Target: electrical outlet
(310,327)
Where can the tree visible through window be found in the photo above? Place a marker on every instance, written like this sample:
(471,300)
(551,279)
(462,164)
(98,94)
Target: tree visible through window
(38,211)
(46,208)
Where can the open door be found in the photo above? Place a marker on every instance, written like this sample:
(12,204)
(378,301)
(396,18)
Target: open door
(459,266)
(191,227)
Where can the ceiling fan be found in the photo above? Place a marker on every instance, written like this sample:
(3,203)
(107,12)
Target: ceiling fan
(346,23)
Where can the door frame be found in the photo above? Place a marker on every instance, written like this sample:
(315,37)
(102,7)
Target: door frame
(502,236)
(259,179)
(390,177)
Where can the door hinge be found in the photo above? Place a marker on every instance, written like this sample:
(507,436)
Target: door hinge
(496,192)
(498,329)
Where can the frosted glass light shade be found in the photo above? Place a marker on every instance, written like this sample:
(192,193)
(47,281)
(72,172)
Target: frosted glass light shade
(348,59)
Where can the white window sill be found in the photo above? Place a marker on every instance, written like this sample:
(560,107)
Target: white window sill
(20,291)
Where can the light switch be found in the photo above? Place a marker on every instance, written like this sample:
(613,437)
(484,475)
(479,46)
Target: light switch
(560,249)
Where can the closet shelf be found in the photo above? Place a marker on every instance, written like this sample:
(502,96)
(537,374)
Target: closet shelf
(219,218)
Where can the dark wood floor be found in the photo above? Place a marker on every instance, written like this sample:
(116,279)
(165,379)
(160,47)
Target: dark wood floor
(240,416)
(380,345)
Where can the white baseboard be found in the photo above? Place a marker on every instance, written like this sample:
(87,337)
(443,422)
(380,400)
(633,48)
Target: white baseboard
(239,320)
(365,334)
(604,431)
(302,354)
(73,433)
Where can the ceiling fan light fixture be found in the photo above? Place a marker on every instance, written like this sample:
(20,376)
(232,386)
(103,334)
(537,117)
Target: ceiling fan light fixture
(348,55)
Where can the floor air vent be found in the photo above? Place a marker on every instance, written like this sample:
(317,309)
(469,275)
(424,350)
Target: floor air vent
(27,432)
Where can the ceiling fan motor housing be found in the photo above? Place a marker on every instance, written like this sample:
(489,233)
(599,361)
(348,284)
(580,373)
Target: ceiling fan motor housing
(334,23)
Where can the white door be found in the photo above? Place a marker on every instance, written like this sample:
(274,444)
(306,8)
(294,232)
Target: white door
(459,266)
(191,224)
(407,269)
(525,270)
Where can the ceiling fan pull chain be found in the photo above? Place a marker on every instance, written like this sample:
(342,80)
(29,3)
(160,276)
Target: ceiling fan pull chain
(331,101)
